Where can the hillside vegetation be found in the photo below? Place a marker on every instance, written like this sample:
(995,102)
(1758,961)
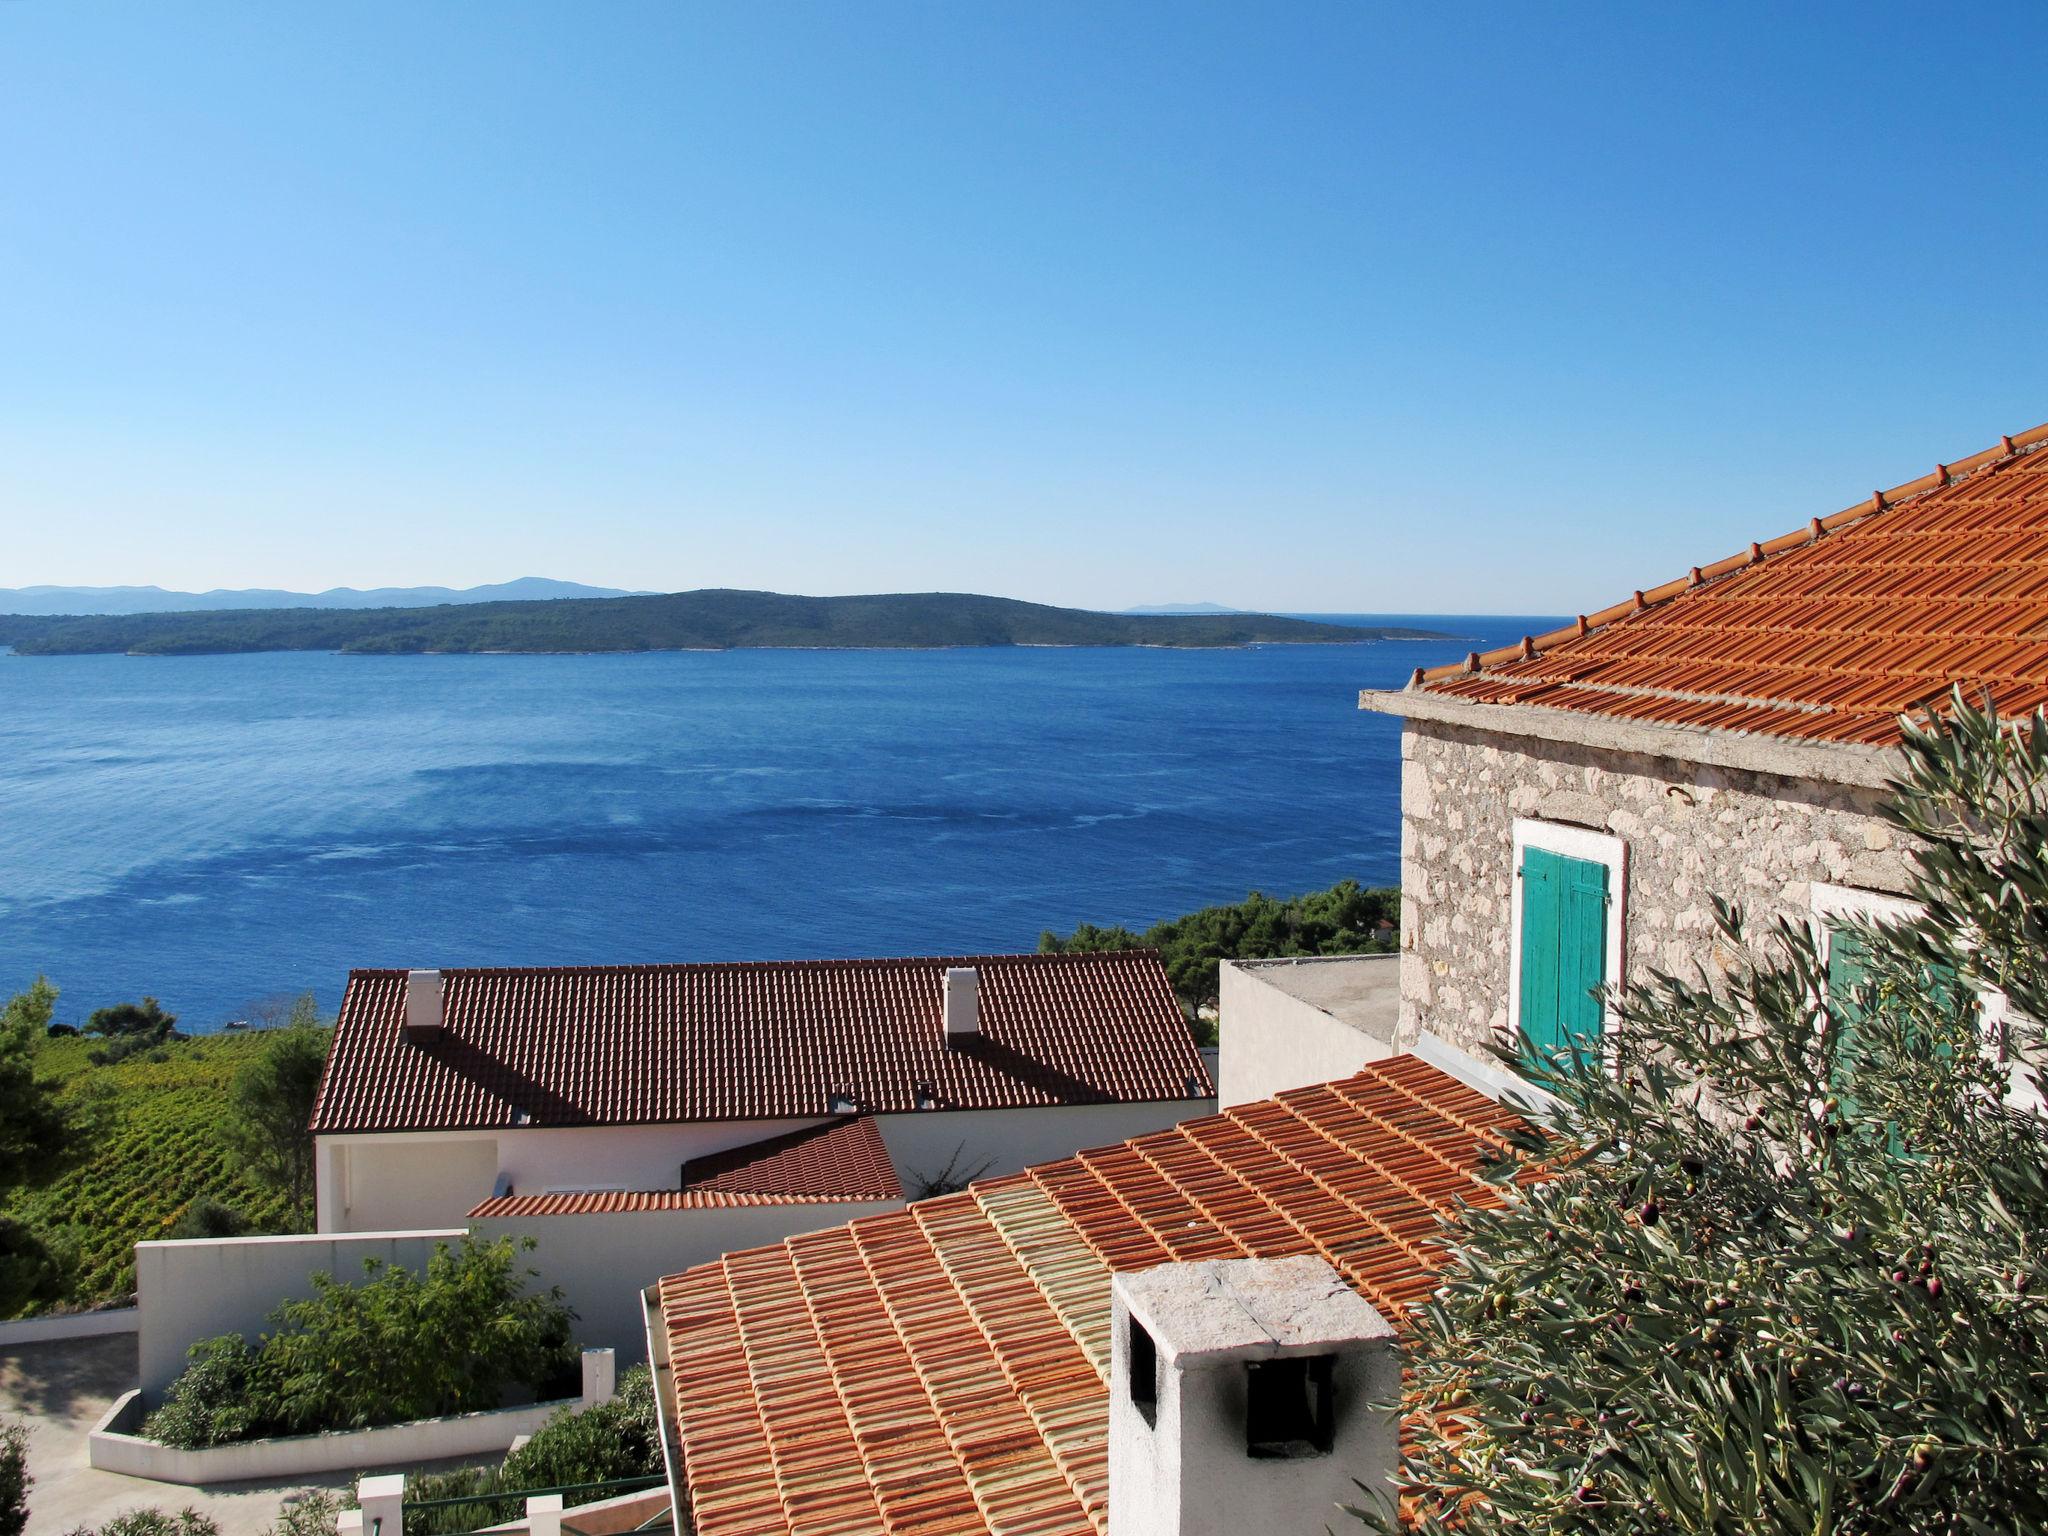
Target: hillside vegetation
(157,1147)
(1347,919)
(706,620)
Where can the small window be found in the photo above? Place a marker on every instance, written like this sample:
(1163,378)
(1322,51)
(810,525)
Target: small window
(1144,1383)
(1287,1410)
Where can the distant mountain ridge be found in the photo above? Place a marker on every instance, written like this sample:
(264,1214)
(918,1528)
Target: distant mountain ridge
(45,600)
(1179,610)
(712,619)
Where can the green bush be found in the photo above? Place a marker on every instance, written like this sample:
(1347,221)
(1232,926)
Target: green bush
(397,1346)
(617,1439)
(15,1480)
(153,1522)
(1346,919)
(315,1512)
(208,1217)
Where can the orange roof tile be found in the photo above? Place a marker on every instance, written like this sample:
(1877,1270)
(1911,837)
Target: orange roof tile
(841,1160)
(664,1044)
(942,1370)
(1828,634)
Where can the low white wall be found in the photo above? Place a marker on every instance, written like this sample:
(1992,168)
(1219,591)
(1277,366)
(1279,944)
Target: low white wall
(1010,1139)
(1273,1040)
(603,1262)
(69,1325)
(200,1288)
(113,1446)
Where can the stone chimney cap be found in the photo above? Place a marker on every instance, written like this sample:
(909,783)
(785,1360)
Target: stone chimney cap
(1249,1309)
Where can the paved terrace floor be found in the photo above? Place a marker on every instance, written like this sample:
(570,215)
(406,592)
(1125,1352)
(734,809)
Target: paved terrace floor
(59,1391)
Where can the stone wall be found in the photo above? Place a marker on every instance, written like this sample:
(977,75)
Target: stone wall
(1692,832)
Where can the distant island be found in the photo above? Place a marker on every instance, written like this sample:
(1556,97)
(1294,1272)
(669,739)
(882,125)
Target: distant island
(713,619)
(100,600)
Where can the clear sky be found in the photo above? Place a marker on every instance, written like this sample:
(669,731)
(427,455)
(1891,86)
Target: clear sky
(1484,308)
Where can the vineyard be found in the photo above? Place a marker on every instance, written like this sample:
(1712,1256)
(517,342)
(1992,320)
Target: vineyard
(158,1149)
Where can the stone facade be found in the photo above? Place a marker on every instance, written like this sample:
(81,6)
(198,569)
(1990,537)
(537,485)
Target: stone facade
(1692,832)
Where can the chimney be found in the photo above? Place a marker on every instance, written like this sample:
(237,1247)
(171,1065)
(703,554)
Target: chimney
(422,1007)
(1243,1397)
(963,1003)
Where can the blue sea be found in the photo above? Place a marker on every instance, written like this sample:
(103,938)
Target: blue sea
(220,831)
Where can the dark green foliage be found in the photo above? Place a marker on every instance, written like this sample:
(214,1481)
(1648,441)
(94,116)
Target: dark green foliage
(315,1512)
(398,1345)
(15,1479)
(35,1269)
(1788,1273)
(705,620)
(1347,919)
(271,1104)
(31,1124)
(618,1439)
(208,1217)
(149,1143)
(132,1029)
(153,1522)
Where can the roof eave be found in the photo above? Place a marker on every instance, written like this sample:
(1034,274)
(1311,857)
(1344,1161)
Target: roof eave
(1825,762)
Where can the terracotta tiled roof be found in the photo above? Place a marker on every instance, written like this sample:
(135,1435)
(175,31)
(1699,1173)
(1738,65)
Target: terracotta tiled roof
(641,1044)
(943,1369)
(841,1160)
(1828,634)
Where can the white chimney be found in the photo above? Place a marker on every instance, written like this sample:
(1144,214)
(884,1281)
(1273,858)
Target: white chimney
(1242,1398)
(962,1003)
(422,1006)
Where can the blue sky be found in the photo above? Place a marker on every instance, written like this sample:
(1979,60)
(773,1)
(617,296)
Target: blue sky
(1503,308)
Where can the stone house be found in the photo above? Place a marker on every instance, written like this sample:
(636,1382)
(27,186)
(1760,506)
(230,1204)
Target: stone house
(1571,805)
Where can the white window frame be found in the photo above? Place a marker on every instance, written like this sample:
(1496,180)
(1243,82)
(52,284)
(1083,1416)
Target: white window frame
(1573,843)
(1831,903)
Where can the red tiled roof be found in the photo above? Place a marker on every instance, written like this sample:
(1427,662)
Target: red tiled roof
(943,1369)
(641,1044)
(1828,634)
(841,1160)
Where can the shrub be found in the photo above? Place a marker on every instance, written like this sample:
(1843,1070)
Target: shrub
(397,1346)
(153,1522)
(619,1438)
(208,1217)
(15,1478)
(316,1512)
(215,1399)
(1785,1271)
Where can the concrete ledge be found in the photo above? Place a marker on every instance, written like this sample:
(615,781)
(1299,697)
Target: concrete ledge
(1869,767)
(114,1445)
(70,1325)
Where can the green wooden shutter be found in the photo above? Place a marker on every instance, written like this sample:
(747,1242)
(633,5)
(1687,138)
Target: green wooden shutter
(1849,970)
(1564,951)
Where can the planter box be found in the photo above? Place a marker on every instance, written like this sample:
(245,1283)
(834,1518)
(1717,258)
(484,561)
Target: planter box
(115,1444)
(69,1325)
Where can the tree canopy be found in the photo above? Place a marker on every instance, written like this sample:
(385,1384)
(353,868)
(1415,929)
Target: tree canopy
(1347,919)
(1775,1263)
(271,1102)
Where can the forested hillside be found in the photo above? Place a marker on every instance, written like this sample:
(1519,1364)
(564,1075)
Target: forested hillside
(706,620)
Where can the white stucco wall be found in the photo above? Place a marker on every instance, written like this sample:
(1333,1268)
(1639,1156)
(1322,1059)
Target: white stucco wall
(205,1287)
(435,1178)
(1010,1139)
(603,1262)
(1273,1040)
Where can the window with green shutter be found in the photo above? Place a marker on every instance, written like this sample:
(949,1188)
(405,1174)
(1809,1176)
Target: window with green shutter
(1563,952)
(1849,978)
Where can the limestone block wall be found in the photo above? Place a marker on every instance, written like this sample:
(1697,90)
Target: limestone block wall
(1692,831)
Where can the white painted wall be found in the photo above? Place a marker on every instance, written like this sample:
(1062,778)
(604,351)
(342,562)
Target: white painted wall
(921,1142)
(1273,1040)
(384,1182)
(69,1325)
(204,1287)
(603,1262)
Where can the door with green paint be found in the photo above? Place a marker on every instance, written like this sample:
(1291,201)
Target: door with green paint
(1564,951)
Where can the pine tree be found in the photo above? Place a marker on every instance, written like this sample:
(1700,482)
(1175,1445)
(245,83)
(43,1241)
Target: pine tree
(1775,1263)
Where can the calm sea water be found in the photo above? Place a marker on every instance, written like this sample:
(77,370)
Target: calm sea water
(220,830)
